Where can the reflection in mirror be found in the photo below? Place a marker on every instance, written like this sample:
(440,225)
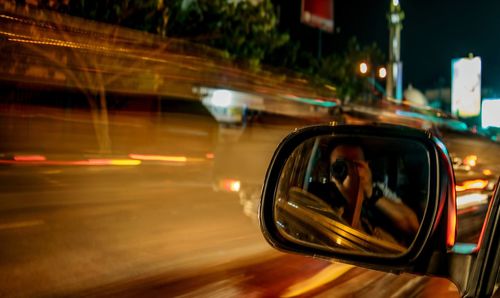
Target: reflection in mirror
(364,195)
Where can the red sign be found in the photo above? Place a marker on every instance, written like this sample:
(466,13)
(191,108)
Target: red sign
(318,14)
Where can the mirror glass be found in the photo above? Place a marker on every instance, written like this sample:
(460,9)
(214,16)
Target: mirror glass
(356,194)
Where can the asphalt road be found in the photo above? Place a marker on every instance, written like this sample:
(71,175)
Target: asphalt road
(159,228)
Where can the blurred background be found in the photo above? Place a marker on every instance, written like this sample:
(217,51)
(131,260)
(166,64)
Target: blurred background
(135,135)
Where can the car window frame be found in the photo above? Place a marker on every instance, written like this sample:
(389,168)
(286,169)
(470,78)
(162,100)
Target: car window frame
(483,277)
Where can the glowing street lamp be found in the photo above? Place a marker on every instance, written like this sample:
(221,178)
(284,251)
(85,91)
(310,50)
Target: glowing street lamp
(363,68)
(382,72)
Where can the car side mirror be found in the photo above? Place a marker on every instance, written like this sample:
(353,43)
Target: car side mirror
(378,196)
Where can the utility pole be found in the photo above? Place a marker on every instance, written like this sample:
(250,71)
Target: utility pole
(320,45)
(394,87)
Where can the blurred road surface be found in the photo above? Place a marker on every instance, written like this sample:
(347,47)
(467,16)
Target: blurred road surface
(163,226)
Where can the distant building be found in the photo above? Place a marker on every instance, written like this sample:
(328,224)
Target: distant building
(415,96)
(439,98)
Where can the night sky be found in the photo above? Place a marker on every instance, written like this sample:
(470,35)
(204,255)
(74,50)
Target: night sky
(434,32)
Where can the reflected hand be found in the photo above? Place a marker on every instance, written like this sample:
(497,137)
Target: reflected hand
(365,177)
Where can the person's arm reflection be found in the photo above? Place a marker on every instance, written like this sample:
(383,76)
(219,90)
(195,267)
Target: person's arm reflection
(362,195)
(380,197)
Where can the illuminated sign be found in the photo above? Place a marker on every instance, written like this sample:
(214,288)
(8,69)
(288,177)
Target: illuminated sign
(490,116)
(466,87)
(318,14)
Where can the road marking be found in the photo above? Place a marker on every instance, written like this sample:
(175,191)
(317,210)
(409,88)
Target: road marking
(21,224)
(323,277)
(52,172)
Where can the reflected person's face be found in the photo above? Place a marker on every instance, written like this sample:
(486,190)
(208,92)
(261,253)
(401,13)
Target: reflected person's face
(349,187)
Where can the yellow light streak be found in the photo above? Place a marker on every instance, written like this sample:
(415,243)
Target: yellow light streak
(472,184)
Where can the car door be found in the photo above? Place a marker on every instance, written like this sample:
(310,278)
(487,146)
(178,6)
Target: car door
(484,280)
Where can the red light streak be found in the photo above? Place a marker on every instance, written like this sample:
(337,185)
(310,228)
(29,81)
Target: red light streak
(88,162)
(30,158)
(231,185)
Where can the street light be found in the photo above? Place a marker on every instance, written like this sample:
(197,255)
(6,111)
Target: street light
(363,68)
(369,74)
(382,72)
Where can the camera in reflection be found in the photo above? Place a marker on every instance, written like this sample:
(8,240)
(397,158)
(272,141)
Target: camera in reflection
(339,169)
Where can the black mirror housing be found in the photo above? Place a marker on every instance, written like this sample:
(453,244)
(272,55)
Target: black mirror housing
(437,231)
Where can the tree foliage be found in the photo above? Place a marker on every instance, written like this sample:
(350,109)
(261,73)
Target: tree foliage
(342,71)
(244,30)
(145,15)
